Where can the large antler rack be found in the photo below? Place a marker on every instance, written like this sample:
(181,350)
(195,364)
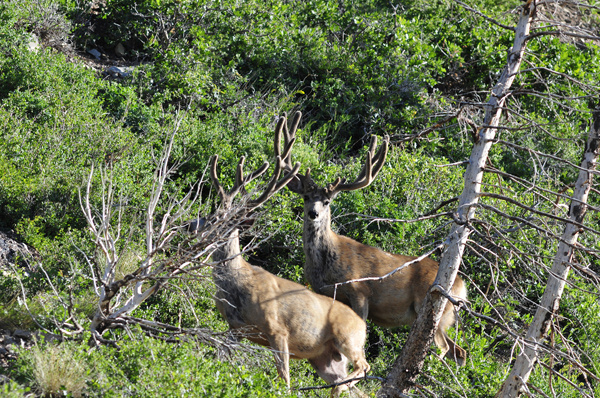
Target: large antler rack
(241,180)
(371,168)
(289,136)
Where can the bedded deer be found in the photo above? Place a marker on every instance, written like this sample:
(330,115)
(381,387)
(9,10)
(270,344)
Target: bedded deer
(293,321)
(333,258)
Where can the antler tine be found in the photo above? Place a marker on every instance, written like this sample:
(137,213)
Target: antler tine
(289,137)
(292,133)
(372,166)
(241,181)
(370,155)
(256,173)
(381,155)
(281,124)
(287,153)
(333,186)
(376,160)
(273,186)
(213,175)
(288,177)
(284,161)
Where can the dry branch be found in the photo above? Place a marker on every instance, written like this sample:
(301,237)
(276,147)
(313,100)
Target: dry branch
(409,364)
(560,268)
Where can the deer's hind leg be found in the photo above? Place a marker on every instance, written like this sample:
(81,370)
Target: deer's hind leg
(448,347)
(352,347)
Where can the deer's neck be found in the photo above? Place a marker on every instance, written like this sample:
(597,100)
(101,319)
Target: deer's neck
(228,257)
(320,249)
(231,275)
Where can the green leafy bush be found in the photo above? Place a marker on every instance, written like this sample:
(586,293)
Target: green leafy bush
(223,71)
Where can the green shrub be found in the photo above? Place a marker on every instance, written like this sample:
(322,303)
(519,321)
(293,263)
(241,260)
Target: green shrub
(12,389)
(150,368)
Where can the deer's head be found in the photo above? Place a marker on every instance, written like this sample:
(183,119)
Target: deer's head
(317,199)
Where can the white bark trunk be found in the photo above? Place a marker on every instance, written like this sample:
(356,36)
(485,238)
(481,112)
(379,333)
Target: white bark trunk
(560,269)
(408,365)
(110,291)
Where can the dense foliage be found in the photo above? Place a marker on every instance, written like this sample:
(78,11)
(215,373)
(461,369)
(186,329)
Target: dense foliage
(222,71)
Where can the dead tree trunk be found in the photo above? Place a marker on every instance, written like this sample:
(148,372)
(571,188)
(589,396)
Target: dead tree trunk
(548,307)
(410,362)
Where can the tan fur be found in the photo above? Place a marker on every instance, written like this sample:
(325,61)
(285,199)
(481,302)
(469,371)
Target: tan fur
(332,259)
(392,302)
(293,321)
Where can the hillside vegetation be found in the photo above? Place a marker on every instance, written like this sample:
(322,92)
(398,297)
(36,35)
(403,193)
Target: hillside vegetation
(205,77)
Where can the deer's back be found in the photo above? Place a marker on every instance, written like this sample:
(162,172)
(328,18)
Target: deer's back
(394,300)
(273,305)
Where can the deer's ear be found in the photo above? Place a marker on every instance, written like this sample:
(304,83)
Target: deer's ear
(331,195)
(295,185)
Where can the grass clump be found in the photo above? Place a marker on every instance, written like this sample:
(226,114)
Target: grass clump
(57,370)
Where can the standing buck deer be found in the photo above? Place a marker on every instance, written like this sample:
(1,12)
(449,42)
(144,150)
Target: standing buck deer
(332,259)
(274,312)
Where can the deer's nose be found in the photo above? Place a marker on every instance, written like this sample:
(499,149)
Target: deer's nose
(312,214)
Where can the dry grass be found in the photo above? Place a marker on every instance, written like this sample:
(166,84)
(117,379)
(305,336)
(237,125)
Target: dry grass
(128,263)
(58,371)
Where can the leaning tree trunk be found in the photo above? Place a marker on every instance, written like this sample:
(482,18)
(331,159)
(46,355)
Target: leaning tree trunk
(410,362)
(523,366)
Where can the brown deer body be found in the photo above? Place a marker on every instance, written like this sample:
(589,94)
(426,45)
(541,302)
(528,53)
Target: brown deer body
(333,259)
(293,321)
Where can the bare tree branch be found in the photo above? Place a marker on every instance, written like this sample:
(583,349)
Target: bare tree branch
(560,268)
(408,365)
(492,20)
